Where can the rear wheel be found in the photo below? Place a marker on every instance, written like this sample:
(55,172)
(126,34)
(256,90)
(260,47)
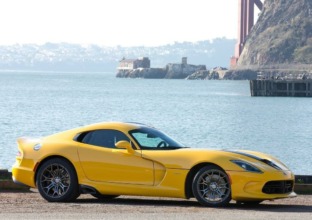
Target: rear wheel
(57,181)
(211,186)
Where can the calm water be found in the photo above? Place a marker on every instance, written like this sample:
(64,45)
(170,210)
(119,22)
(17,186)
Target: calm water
(208,114)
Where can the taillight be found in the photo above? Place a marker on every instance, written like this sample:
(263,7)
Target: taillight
(19,154)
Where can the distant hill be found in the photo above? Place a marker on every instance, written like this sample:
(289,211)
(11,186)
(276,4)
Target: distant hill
(282,37)
(73,57)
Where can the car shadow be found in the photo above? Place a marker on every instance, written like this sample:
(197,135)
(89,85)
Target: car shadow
(273,208)
(141,202)
(193,203)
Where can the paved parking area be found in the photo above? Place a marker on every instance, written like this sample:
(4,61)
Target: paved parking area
(32,206)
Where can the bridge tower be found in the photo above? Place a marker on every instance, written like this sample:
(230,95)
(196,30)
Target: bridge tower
(245,23)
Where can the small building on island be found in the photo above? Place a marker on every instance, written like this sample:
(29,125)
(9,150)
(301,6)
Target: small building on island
(131,64)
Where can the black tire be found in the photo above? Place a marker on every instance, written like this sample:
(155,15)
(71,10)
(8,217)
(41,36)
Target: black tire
(57,181)
(211,186)
(104,197)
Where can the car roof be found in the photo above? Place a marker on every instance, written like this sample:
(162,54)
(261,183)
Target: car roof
(121,126)
(125,126)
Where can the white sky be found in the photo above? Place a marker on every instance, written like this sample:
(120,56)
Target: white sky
(116,22)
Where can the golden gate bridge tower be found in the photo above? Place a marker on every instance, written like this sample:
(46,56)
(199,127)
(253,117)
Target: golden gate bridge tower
(245,23)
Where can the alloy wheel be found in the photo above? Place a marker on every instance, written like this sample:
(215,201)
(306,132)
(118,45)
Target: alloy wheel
(211,187)
(55,180)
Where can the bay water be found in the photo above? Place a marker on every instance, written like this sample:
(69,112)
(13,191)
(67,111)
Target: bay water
(200,114)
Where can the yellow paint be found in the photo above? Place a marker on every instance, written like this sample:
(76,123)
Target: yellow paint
(128,171)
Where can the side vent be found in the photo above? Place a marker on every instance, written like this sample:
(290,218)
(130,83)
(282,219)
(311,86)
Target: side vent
(87,190)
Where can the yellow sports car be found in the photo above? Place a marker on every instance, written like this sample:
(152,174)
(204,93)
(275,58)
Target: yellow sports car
(111,159)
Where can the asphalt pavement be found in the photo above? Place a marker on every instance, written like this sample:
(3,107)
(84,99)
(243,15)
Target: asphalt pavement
(30,205)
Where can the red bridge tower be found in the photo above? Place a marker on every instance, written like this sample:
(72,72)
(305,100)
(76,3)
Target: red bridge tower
(245,23)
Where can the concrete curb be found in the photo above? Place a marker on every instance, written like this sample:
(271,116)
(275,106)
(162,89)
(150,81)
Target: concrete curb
(303,184)
(303,189)
(7,184)
(10,186)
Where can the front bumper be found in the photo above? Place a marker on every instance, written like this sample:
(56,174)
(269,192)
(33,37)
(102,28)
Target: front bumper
(247,186)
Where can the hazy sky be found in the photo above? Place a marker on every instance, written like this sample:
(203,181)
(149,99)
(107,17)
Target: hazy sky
(116,22)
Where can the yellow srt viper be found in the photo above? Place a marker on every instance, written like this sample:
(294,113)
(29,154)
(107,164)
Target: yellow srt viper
(111,159)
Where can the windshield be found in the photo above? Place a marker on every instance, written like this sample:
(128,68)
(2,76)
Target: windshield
(151,139)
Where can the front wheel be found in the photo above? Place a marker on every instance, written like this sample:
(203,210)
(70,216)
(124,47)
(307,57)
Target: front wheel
(57,181)
(211,186)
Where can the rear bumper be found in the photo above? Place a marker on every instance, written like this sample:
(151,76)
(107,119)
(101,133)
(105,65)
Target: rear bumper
(19,183)
(23,176)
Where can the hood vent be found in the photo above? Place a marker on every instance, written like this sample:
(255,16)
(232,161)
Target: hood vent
(267,162)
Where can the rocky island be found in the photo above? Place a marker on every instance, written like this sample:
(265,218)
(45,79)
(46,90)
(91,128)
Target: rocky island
(140,68)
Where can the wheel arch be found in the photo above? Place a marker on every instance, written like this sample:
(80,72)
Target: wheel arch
(191,174)
(49,158)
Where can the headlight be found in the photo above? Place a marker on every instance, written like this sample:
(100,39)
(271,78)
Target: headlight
(246,166)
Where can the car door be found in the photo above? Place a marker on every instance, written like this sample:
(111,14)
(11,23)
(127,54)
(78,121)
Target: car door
(102,161)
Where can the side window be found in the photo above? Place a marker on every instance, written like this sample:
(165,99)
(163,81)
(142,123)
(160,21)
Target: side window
(102,138)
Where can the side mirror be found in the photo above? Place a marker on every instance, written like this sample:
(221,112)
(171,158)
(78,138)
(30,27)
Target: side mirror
(124,145)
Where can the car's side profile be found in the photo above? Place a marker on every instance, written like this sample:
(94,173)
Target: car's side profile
(114,158)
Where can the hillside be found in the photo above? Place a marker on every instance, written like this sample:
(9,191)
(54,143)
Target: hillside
(74,57)
(282,37)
